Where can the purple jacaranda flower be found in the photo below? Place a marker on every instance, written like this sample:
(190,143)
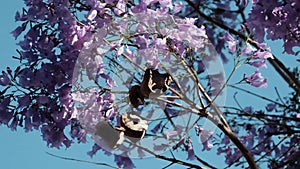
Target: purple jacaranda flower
(5,115)
(53,136)
(4,79)
(120,51)
(204,136)
(166,3)
(172,134)
(248,109)
(249,49)
(170,111)
(298,115)
(270,107)
(18,30)
(262,55)
(141,7)
(257,80)
(20,17)
(140,153)
(109,81)
(120,8)
(142,41)
(160,147)
(156,128)
(94,150)
(258,59)
(280,13)
(180,142)
(178,6)
(160,43)
(231,42)
(124,162)
(14,123)
(200,67)
(260,83)
(78,132)
(258,63)
(128,52)
(190,150)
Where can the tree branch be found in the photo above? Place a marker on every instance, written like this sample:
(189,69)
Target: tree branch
(277,64)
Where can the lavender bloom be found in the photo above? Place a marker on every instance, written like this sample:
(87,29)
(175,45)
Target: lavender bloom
(4,79)
(166,3)
(94,150)
(204,136)
(231,42)
(5,115)
(181,141)
(124,161)
(156,128)
(248,109)
(258,64)
(262,55)
(190,150)
(274,18)
(257,80)
(270,107)
(172,134)
(178,6)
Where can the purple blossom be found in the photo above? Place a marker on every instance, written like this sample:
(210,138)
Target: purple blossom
(270,107)
(160,147)
(257,80)
(258,63)
(94,150)
(230,41)
(204,136)
(78,132)
(190,150)
(274,18)
(248,109)
(53,136)
(142,41)
(18,30)
(249,49)
(178,6)
(166,3)
(141,7)
(120,8)
(124,162)
(4,79)
(180,142)
(262,55)
(172,134)
(156,128)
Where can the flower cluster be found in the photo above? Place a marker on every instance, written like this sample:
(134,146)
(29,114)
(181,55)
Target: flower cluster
(256,58)
(275,20)
(53,38)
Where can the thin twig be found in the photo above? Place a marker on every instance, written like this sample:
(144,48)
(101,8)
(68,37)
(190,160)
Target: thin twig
(84,161)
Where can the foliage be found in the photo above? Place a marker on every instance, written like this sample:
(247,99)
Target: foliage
(80,58)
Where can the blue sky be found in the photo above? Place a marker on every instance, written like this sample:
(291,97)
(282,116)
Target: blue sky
(28,150)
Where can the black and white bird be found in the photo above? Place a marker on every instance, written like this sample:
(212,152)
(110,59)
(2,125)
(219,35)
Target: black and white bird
(153,85)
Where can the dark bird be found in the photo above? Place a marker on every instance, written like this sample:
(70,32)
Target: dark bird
(135,96)
(154,83)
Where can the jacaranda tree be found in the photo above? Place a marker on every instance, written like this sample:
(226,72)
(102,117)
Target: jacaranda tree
(140,78)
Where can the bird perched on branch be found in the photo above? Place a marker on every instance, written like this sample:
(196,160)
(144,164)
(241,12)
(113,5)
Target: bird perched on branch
(153,85)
